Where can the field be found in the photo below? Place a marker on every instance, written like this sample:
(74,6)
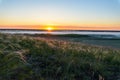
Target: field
(98,40)
(24,57)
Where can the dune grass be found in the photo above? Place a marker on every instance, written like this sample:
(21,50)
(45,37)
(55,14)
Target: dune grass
(27,58)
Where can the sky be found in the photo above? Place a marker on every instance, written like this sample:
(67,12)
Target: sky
(62,14)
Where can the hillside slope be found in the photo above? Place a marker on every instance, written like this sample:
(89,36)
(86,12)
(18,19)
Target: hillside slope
(27,58)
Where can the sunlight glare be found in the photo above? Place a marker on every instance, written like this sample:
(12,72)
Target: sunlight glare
(50,27)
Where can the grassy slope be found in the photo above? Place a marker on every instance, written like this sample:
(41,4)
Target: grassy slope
(23,57)
(86,39)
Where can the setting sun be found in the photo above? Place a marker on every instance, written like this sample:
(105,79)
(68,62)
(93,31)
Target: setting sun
(49,28)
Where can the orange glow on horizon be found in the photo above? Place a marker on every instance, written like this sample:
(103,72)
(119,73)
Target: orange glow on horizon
(51,27)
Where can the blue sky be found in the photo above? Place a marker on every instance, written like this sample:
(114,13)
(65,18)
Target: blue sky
(61,12)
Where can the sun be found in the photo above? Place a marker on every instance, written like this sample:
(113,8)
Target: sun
(49,27)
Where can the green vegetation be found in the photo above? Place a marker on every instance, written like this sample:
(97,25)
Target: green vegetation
(101,40)
(60,35)
(27,58)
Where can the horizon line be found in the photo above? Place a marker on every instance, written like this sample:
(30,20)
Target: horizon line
(63,30)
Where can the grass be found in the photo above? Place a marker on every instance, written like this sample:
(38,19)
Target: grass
(27,58)
(100,40)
